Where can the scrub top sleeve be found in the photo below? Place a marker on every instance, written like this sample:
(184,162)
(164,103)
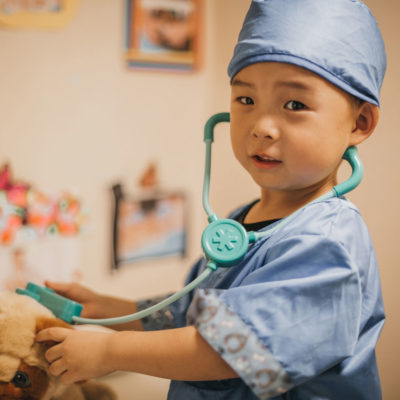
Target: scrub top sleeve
(173,316)
(162,319)
(237,344)
(180,307)
(288,320)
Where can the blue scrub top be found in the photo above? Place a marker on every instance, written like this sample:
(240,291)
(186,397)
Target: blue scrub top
(298,318)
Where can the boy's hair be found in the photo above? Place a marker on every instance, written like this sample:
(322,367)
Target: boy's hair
(356,101)
(336,39)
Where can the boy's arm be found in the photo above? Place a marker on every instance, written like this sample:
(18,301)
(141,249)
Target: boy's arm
(180,354)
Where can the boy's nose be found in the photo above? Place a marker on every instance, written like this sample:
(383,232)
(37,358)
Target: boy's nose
(265,129)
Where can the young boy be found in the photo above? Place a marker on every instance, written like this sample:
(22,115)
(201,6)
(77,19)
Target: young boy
(299,317)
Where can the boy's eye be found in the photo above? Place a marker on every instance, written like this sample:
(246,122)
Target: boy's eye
(245,100)
(295,105)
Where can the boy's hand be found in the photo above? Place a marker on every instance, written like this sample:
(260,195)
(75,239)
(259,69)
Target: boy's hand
(78,355)
(96,305)
(90,300)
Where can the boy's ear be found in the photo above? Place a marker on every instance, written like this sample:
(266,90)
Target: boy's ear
(367,116)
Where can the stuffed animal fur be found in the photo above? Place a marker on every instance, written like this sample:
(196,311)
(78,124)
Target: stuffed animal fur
(24,371)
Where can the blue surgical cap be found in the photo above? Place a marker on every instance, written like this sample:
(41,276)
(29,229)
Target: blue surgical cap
(336,39)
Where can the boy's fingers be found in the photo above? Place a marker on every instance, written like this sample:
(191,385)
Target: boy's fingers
(67,378)
(59,287)
(54,353)
(57,368)
(54,334)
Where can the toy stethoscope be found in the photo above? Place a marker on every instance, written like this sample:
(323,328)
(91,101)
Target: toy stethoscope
(224,242)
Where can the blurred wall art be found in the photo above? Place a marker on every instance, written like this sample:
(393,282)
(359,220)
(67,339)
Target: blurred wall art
(148,226)
(40,234)
(40,14)
(163,34)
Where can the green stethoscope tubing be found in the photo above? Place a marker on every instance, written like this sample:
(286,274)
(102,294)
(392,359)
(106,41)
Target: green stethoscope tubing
(225,241)
(150,310)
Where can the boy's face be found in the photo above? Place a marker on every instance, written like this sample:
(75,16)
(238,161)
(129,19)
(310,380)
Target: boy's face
(289,127)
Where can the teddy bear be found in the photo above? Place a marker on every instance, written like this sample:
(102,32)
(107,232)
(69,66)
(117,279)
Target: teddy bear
(24,371)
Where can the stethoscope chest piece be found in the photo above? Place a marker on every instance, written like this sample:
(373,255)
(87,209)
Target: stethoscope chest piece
(225,242)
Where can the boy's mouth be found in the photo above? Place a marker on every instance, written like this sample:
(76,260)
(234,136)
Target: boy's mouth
(265,162)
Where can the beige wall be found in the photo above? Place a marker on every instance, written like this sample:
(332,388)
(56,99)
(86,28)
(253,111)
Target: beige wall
(379,196)
(73,117)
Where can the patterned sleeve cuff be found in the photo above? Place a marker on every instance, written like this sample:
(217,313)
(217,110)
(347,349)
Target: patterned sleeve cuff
(238,345)
(159,320)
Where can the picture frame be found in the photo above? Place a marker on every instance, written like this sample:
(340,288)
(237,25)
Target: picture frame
(34,14)
(163,34)
(148,226)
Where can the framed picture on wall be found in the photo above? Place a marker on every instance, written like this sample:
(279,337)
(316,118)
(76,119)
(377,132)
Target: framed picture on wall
(163,34)
(148,227)
(40,14)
